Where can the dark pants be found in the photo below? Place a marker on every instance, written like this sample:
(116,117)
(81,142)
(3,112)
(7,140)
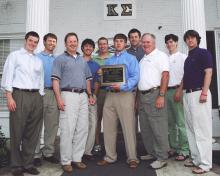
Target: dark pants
(25,125)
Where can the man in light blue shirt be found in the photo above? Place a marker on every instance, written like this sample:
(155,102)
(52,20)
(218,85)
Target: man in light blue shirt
(50,110)
(119,105)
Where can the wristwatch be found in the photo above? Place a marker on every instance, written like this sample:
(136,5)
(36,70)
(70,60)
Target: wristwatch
(161,94)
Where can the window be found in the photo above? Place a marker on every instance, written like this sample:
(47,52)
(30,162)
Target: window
(6,46)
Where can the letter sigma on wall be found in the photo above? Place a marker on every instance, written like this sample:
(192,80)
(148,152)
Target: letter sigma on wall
(119,9)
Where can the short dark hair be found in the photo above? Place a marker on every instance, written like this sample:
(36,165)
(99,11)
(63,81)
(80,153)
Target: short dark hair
(134,30)
(172,37)
(70,34)
(32,33)
(51,35)
(87,41)
(102,38)
(120,36)
(192,33)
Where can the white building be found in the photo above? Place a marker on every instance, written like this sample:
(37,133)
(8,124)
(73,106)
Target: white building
(96,18)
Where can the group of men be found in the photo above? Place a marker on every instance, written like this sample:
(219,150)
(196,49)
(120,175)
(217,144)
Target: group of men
(65,91)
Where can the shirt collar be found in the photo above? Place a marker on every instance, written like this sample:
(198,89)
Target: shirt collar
(46,54)
(152,52)
(24,51)
(77,54)
(135,48)
(193,50)
(174,54)
(120,53)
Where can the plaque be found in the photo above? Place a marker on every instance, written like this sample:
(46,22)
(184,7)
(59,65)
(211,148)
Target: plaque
(112,74)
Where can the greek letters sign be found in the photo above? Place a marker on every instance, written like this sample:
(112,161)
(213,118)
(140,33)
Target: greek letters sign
(119,9)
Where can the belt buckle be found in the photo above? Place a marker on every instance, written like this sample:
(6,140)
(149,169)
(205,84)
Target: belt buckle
(72,90)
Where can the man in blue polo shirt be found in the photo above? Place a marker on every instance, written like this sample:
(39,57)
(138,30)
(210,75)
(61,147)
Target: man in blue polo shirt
(198,103)
(87,47)
(71,81)
(50,112)
(119,106)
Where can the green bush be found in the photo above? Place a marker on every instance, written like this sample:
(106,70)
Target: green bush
(4,153)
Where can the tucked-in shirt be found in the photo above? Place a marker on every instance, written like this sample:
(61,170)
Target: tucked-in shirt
(138,52)
(94,67)
(132,72)
(176,61)
(151,68)
(24,71)
(47,60)
(100,60)
(194,68)
(72,72)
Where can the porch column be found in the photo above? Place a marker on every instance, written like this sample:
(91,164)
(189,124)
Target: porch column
(193,17)
(37,18)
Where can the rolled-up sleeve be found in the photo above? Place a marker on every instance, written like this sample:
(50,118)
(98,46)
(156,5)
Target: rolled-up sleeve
(56,70)
(8,73)
(87,72)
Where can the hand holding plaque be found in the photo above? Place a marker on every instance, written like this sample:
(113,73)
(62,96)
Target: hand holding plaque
(112,74)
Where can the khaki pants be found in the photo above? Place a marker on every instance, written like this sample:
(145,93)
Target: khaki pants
(51,124)
(73,127)
(119,106)
(92,128)
(25,125)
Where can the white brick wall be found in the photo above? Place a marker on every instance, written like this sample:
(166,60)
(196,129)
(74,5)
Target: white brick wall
(86,19)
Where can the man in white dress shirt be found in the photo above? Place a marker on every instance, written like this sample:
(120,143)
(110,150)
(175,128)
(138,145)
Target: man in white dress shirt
(23,82)
(154,76)
(177,132)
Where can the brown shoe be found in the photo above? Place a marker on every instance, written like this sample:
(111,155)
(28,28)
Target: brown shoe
(80,165)
(67,168)
(102,163)
(133,164)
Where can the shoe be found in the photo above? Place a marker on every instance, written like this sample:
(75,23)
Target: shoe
(103,163)
(158,164)
(147,157)
(198,170)
(32,171)
(17,172)
(52,159)
(189,163)
(37,162)
(88,157)
(67,168)
(171,153)
(181,157)
(133,164)
(79,165)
